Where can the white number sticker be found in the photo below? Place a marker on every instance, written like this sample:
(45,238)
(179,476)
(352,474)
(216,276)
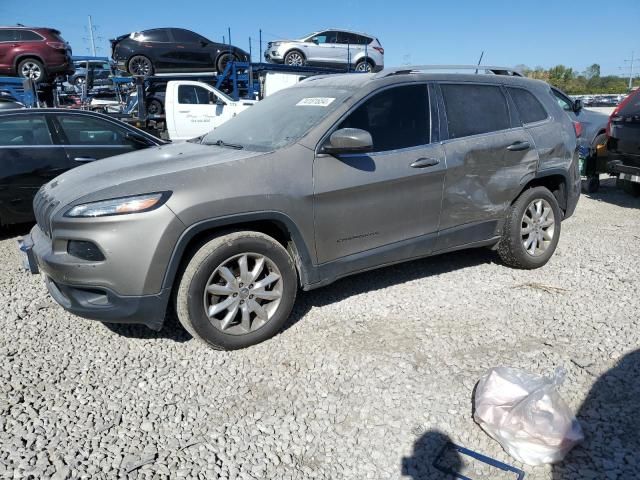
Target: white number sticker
(316,101)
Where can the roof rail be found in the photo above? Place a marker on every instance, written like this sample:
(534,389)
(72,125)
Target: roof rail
(486,69)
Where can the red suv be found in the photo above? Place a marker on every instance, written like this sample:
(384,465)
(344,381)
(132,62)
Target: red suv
(37,53)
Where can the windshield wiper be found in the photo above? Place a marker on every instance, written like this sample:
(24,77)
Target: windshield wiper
(221,143)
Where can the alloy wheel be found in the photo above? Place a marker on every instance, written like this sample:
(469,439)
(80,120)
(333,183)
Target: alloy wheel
(140,66)
(243,293)
(31,70)
(538,227)
(295,59)
(363,67)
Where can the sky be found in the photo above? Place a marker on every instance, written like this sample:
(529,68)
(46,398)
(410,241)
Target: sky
(534,32)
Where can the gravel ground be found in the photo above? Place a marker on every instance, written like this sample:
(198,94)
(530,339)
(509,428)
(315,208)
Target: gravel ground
(370,378)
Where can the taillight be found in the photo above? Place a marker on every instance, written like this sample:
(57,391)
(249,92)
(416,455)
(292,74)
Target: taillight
(577,126)
(379,49)
(57,45)
(616,112)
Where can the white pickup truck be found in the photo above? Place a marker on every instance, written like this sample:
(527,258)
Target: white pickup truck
(193,108)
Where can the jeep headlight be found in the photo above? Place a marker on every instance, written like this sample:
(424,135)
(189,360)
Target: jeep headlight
(119,206)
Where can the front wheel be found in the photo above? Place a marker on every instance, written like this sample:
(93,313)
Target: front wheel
(294,58)
(237,290)
(532,230)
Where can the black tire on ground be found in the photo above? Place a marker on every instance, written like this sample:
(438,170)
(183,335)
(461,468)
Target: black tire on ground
(294,58)
(223,60)
(511,248)
(364,66)
(139,65)
(154,107)
(32,68)
(190,294)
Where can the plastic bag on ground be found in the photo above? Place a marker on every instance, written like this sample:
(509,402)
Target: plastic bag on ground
(526,415)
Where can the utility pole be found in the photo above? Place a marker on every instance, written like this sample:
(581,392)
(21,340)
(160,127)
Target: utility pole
(630,70)
(91,39)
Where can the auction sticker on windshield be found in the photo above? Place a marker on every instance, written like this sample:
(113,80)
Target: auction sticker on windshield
(316,101)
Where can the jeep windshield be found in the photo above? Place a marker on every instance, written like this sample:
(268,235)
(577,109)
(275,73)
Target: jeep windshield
(280,119)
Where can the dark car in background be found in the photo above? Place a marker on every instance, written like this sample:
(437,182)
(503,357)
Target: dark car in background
(37,53)
(37,145)
(624,143)
(174,50)
(100,70)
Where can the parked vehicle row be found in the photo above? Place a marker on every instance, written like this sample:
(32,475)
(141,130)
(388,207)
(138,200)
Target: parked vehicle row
(380,168)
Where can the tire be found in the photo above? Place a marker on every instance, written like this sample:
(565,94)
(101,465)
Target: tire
(364,66)
(223,60)
(154,107)
(512,248)
(294,58)
(139,65)
(79,81)
(235,319)
(32,68)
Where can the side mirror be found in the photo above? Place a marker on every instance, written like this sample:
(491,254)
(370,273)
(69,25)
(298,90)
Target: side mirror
(348,140)
(138,140)
(577,105)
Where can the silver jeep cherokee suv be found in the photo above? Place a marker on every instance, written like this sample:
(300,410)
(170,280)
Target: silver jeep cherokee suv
(333,176)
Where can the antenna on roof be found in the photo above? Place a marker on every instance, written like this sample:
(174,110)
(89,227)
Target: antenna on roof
(480,60)
(19,25)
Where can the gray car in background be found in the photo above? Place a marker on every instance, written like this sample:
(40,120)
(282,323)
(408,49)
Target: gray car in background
(333,176)
(330,48)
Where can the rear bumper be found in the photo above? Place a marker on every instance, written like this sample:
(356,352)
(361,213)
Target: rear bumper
(625,172)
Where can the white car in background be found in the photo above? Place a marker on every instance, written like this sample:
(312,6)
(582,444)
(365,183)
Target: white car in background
(329,48)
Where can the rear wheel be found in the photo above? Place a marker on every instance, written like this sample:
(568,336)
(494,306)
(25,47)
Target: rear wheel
(31,68)
(532,230)
(237,290)
(154,107)
(294,58)
(140,65)
(224,60)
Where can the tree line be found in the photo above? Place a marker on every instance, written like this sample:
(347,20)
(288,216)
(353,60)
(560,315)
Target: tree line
(579,83)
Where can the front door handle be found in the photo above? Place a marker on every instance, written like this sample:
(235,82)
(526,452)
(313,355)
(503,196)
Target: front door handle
(425,162)
(519,146)
(84,159)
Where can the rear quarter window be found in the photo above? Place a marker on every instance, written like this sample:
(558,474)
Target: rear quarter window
(529,107)
(474,109)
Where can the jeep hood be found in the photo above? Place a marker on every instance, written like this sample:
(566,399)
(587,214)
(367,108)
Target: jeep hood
(151,170)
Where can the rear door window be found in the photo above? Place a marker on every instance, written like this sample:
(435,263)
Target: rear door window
(24,130)
(185,36)
(9,35)
(529,107)
(396,118)
(158,35)
(474,109)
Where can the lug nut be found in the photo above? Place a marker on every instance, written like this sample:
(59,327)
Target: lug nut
(251,286)
(250,296)
(241,302)
(235,294)
(241,284)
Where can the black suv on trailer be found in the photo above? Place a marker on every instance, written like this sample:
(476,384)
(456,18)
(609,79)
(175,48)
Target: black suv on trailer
(172,50)
(330,177)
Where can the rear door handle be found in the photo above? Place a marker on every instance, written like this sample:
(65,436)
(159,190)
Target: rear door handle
(425,162)
(84,159)
(519,146)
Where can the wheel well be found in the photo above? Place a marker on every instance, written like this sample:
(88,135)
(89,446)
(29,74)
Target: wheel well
(26,57)
(556,184)
(366,59)
(273,228)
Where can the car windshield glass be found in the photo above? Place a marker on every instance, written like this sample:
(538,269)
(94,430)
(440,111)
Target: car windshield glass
(279,120)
